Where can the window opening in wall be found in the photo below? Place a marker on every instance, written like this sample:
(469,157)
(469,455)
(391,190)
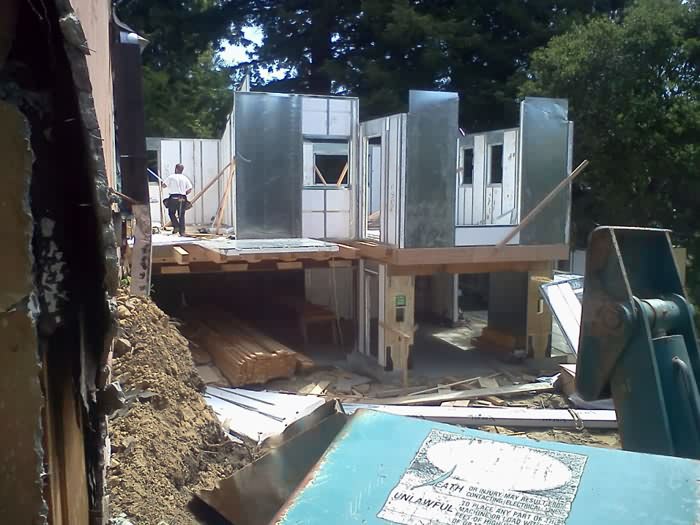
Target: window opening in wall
(496,157)
(152,165)
(373,189)
(468,166)
(331,169)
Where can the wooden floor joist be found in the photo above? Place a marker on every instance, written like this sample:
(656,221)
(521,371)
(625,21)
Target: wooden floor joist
(180,255)
(460,255)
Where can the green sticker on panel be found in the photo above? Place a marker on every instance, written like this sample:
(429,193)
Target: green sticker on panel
(400,300)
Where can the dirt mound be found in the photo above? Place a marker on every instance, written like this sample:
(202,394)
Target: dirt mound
(169,443)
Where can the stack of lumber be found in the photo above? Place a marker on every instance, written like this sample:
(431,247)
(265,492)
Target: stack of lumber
(244,355)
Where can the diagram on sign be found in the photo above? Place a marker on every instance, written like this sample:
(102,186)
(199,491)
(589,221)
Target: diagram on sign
(470,481)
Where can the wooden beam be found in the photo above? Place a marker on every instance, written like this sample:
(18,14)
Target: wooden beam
(211,182)
(539,318)
(507,417)
(424,269)
(513,266)
(339,263)
(297,265)
(234,267)
(342,175)
(180,255)
(542,204)
(215,255)
(224,199)
(161,254)
(347,252)
(373,250)
(174,269)
(479,254)
(320,175)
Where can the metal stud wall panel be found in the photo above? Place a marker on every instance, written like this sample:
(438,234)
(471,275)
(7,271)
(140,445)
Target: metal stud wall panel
(269,165)
(431,160)
(544,143)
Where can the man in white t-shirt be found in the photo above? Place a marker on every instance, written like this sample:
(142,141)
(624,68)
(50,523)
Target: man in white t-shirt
(179,187)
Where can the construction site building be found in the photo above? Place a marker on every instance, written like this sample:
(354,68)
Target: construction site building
(297,182)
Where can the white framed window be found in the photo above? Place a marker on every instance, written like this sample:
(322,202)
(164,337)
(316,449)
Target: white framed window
(467,167)
(326,164)
(496,164)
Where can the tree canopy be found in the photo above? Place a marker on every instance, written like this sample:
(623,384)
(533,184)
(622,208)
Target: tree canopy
(187,88)
(629,70)
(633,85)
(379,49)
(374,49)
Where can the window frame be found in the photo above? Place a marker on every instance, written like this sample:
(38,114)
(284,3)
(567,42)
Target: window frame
(464,168)
(491,147)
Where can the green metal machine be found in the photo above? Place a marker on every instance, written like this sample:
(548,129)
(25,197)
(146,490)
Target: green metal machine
(638,343)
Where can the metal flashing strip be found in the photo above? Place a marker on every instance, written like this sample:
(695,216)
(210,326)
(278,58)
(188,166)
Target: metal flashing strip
(259,416)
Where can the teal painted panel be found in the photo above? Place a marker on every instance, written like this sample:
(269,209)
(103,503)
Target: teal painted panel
(576,485)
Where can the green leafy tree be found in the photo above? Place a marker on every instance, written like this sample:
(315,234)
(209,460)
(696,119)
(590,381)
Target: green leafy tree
(190,102)
(379,49)
(374,49)
(187,89)
(633,85)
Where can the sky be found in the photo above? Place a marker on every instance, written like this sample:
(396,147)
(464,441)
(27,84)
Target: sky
(233,55)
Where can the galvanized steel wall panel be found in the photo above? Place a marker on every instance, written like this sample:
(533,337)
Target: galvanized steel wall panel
(269,165)
(544,143)
(431,150)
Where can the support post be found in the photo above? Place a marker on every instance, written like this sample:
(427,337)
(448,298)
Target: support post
(398,324)
(539,318)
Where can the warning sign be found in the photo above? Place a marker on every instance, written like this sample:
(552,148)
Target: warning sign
(468,481)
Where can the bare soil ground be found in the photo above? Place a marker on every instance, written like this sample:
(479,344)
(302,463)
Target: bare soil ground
(167,443)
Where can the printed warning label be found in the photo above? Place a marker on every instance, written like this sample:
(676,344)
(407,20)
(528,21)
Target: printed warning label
(469,481)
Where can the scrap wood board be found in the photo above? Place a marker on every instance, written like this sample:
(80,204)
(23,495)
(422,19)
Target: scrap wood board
(480,393)
(243,354)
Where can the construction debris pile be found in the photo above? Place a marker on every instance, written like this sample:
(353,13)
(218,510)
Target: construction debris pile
(508,401)
(166,442)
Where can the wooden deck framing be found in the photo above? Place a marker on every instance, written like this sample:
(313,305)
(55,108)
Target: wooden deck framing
(199,258)
(471,259)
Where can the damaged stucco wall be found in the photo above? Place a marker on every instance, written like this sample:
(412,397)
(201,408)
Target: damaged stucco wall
(96,113)
(21,461)
(86,43)
(58,266)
